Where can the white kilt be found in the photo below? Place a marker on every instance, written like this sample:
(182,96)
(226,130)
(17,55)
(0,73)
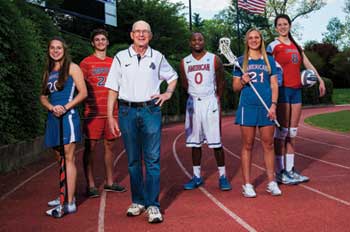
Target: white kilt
(203,122)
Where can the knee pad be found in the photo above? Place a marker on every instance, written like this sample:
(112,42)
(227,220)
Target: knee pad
(281,133)
(293,131)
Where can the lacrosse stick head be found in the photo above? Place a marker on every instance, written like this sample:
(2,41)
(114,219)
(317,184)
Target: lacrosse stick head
(224,49)
(224,43)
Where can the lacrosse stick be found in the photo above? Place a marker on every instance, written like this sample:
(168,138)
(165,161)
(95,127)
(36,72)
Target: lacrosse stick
(224,49)
(58,213)
(63,168)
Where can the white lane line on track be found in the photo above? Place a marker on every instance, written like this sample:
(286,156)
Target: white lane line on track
(322,161)
(323,143)
(325,195)
(3,197)
(319,160)
(323,131)
(211,197)
(302,185)
(26,181)
(101,212)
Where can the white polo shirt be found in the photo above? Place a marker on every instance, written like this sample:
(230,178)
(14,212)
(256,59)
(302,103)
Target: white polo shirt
(136,79)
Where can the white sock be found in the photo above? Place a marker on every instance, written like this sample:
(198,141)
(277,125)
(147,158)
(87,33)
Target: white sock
(289,162)
(222,171)
(197,171)
(279,163)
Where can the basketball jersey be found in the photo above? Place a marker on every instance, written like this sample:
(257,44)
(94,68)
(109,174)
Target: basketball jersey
(289,58)
(260,78)
(200,75)
(95,73)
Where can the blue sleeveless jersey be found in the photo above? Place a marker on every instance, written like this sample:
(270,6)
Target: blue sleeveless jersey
(71,120)
(250,110)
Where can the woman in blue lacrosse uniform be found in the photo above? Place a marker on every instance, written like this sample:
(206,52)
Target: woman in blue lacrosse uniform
(63,87)
(260,70)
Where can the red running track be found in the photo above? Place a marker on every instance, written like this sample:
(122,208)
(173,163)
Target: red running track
(323,204)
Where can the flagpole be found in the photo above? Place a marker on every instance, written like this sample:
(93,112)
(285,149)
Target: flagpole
(190,13)
(238,31)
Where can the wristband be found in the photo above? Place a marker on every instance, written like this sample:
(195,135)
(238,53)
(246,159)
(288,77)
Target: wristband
(65,109)
(169,91)
(274,103)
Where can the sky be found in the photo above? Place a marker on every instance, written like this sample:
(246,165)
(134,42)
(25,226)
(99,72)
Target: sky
(310,28)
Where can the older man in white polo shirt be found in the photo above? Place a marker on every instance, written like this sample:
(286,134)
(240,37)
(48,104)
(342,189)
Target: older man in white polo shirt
(135,78)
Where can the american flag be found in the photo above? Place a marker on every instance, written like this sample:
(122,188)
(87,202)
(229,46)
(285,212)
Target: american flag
(252,6)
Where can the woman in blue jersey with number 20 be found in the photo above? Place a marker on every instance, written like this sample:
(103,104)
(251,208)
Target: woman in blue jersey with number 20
(260,70)
(63,87)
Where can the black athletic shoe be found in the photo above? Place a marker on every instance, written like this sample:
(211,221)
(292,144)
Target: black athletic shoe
(92,192)
(114,188)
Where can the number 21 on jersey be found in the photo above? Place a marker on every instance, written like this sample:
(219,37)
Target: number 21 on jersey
(254,77)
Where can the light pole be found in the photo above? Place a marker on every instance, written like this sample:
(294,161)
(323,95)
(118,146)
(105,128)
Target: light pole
(190,13)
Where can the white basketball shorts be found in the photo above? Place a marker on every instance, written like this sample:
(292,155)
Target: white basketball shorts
(203,122)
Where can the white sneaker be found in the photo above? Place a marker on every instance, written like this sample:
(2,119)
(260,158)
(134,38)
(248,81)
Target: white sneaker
(273,188)
(154,214)
(59,211)
(135,210)
(56,202)
(248,191)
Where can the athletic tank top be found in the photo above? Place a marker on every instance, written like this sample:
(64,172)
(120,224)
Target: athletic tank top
(65,95)
(200,75)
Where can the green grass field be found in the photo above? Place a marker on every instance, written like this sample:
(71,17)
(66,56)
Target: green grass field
(337,121)
(341,96)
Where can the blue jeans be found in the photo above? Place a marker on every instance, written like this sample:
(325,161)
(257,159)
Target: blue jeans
(141,132)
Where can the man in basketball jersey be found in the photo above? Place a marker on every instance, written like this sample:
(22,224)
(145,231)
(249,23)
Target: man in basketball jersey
(95,68)
(202,75)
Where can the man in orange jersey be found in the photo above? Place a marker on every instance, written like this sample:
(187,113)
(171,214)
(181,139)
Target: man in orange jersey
(95,68)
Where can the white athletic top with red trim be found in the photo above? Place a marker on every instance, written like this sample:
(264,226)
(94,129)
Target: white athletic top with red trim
(200,75)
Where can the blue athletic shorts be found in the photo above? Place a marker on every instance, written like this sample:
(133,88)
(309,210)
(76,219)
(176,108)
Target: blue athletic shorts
(289,95)
(252,116)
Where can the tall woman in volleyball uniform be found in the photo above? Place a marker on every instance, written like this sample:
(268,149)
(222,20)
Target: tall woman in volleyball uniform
(260,70)
(61,79)
(289,55)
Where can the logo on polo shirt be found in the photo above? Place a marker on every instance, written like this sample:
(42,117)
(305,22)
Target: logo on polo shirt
(152,66)
(187,62)
(126,65)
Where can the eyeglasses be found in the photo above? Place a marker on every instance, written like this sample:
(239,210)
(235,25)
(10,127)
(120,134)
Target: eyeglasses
(139,32)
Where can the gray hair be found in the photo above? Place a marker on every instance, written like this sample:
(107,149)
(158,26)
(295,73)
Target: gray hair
(141,22)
